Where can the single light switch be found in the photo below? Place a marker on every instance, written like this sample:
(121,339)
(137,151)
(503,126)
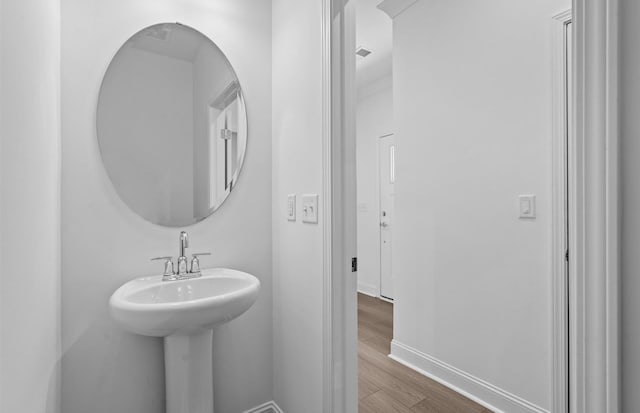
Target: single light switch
(291,207)
(310,208)
(528,206)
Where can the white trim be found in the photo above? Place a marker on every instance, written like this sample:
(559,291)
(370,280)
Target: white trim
(389,300)
(613,215)
(339,186)
(327,212)
(559,281)
(268,407)
(394,8)
(486,394)
(594,216)
(368,289)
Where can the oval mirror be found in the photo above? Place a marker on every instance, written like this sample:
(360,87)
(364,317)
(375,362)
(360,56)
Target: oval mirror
(172,125)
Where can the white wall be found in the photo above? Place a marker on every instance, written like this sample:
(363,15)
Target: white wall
(133,120)
(630,130)
(106,370)
(297,168)
(374,119)
(30,207)
(472,101)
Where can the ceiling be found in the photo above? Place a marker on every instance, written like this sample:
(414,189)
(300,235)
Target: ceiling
(373,32)
(172,40)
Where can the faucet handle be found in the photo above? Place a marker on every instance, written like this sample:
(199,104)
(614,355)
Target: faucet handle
(195,262)
(168,265)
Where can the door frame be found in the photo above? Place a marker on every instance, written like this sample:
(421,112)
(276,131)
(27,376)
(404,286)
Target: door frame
(594,279)
(563,177)
(594,329)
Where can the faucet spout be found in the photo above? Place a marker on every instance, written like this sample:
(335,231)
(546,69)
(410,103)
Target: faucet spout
(184,243)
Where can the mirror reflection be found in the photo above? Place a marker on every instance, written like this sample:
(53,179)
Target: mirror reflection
(172,125)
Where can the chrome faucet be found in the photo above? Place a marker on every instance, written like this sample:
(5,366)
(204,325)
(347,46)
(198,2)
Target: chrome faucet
(184,242)
(182,259)
(183,272)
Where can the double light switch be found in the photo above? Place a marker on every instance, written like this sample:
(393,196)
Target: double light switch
(309,208)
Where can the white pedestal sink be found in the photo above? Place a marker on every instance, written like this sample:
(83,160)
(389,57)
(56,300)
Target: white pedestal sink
(184,313)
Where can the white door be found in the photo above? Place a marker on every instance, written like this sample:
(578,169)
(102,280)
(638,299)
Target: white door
(386,168)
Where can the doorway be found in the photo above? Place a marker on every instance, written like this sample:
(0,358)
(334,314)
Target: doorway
(476,201)
(593,200)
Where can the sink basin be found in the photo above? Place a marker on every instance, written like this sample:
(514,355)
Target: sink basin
(152,307)
(184,312)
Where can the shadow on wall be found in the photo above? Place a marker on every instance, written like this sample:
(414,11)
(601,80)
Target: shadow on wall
(131,370)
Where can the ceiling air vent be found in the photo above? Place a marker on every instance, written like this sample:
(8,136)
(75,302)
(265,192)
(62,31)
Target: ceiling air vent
(362,52)
(159,32)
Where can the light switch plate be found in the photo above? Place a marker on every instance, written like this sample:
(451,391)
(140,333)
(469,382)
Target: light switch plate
(527,206)
(291,207)
(310,208)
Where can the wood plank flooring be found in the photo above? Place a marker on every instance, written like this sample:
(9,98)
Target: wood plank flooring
(385,386)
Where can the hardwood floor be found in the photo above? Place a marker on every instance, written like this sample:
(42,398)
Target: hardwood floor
(385,386)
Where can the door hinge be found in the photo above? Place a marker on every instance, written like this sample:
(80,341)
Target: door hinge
(354,264)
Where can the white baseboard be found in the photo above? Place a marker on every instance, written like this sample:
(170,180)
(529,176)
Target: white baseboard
(383,298)
(269,407)
(478,390)
(368,289)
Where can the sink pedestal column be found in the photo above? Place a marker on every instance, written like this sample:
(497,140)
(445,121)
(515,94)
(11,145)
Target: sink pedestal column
(188,367)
